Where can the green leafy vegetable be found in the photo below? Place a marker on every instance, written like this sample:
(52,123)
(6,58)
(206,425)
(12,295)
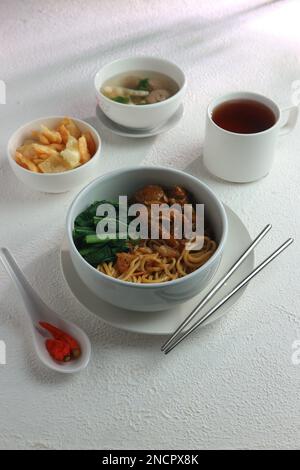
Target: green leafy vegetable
(121,99)
(106,237)
(100,256)
(97,249)
(85,219)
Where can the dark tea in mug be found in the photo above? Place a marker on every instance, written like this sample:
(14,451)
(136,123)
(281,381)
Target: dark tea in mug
(243,116)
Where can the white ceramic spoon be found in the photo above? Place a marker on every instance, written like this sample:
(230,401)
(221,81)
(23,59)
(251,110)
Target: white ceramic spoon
(38,311)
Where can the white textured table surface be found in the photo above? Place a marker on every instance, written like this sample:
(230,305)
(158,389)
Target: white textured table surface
(231,385)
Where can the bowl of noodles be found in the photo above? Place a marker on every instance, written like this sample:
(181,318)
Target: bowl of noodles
(146,238)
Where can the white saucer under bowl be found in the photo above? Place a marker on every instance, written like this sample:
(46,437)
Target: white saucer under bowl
(139,133)
(165,322)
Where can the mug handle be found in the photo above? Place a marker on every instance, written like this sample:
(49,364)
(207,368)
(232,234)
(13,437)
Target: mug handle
(290,123)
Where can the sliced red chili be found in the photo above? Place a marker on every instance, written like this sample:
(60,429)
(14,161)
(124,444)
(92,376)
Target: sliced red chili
(65,337)
(58,350)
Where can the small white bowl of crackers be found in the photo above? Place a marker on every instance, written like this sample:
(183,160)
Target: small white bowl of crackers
(54,154)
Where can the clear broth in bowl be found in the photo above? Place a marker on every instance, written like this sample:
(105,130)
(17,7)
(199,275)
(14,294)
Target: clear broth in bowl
(139,87)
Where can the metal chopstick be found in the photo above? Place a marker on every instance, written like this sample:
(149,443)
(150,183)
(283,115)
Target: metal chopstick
(231,293)
(216,287)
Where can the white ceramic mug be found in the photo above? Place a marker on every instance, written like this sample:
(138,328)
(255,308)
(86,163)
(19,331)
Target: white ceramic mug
(243,158)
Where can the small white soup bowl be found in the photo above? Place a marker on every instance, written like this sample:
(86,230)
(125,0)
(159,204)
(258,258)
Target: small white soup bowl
(51,182)
(141,116)
(147,297)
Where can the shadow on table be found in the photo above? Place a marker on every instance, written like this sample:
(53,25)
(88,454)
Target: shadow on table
(200,35)
(141,145)
(207,28)
(198,169)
